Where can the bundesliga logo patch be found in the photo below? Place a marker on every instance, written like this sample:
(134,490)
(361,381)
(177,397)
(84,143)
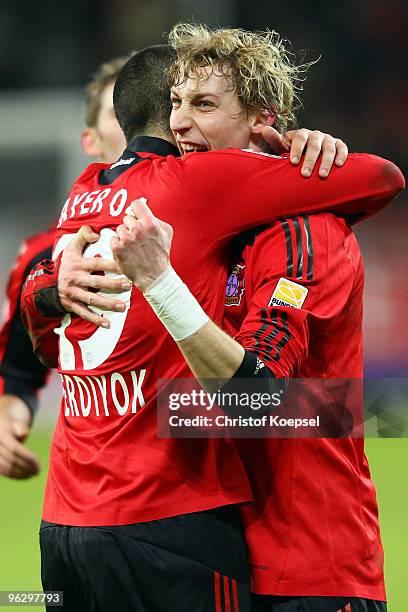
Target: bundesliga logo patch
(288,293)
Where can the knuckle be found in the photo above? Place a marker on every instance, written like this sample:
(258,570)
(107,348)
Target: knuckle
(152,227)
(302,136)
(63,294)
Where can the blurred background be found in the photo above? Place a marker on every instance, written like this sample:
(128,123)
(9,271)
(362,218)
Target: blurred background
(357,91)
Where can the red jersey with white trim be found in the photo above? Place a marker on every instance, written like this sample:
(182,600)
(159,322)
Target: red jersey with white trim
(21,373)
(313,528)
(107,464)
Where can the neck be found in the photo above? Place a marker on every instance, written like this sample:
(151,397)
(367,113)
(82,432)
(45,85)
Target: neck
(257,143)
(156,133)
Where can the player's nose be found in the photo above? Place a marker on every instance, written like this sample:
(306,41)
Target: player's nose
(181,121)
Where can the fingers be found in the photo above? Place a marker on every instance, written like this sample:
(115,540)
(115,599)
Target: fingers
(93,281)
(273,138)
(341,152)
(313,149)
(141,211)
(332,149)
(297,140)
(16,460)
(84,236)
(88,315)
(328,155)
(132,227)
(124,234)
(97,264)
(312,145)
(11,471)
(95,299)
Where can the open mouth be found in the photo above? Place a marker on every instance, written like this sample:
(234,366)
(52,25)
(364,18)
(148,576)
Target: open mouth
(189,147)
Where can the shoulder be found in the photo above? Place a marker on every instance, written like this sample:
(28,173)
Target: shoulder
(39,241)
(32,250)
(305,248)
(90,171)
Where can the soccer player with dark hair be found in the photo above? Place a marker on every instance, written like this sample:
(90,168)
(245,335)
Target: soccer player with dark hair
(21,373)
(158,504)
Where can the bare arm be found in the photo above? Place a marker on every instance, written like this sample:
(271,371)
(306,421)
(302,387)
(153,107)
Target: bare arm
(212,355)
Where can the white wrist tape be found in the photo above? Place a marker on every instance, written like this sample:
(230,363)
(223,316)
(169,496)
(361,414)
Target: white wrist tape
(175,306)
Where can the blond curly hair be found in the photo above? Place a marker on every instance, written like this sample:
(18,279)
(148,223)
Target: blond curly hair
(260,66)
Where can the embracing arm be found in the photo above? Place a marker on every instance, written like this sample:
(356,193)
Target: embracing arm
(247,189)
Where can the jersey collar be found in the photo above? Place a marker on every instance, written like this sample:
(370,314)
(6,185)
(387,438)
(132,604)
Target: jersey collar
(130,157)
(149,144)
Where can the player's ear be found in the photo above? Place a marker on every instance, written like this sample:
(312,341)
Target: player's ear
(262,119)
(90,142)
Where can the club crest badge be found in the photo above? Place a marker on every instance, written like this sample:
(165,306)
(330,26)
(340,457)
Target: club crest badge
(235,286)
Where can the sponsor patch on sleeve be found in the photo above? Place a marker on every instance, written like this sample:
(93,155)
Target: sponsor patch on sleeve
(288,293)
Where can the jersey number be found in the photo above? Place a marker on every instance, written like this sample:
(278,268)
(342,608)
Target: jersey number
(101,343)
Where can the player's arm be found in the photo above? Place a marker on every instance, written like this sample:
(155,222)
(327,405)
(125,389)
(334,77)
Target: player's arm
(245,189)
(21,373)
(76,279)
(142,251)
(64,285)
(41,310)
(21,377)
(272,335)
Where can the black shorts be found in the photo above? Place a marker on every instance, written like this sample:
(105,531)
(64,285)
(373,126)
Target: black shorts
(189,563)
(268,603)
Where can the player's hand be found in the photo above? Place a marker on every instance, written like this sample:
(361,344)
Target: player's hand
(16,461)
(314,145)
(80,276)
(141,247)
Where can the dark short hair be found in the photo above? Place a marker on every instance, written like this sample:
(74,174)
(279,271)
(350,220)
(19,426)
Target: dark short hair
(141,97)
(105,75)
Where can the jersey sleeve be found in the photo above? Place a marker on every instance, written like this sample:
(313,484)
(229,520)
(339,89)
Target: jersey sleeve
(237,190)
(297,270)
(21,373)
(41,310)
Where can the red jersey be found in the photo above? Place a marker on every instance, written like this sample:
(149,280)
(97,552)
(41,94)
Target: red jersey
(107,465)
(21,373)
(313,528)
